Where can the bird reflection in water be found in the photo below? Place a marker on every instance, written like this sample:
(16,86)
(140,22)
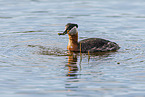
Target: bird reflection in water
(73,72)
(72,64)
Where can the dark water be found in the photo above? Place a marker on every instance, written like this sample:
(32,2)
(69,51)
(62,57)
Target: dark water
(34,60)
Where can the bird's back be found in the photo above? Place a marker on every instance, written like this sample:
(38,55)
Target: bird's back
(97,45)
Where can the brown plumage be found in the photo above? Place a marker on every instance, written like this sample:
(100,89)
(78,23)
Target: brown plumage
(97,45)
(90,44)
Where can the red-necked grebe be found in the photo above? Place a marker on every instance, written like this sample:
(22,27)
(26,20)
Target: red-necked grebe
(87,45)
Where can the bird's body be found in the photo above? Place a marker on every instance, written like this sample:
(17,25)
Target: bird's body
(97,45)
(90,44)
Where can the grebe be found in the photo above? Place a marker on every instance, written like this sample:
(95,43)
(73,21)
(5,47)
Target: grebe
(87,45)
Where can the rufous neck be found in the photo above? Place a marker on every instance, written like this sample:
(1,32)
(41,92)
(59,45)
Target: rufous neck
(73,42)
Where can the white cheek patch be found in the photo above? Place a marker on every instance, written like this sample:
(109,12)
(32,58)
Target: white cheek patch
(73,31)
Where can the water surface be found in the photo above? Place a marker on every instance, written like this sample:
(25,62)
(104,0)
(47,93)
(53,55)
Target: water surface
(34,60)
